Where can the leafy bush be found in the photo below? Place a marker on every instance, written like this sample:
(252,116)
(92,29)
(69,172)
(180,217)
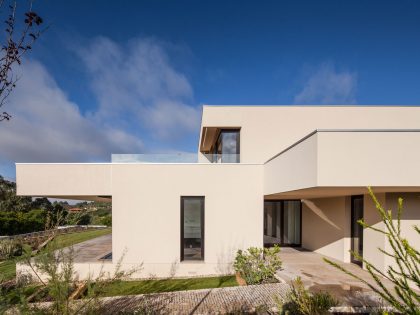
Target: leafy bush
(15,222)
(10,249)
(300,302)
(59,285)
(258,265)
(406,273)
(106,220)
(78,218)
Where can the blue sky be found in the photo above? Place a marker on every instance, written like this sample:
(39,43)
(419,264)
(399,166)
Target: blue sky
(130,76)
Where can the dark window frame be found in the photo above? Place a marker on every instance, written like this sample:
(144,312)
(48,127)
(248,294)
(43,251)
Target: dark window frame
(352,231)
(214,148)
(282,244)
(202,221)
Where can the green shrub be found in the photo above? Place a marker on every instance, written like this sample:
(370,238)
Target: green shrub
(300,302)
(106,220)
(16,222)
(80,218)
(10,249)
(258,265)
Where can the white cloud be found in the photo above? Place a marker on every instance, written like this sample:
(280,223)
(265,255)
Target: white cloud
(47,127)
(136,83)
(136,87)
(328,86)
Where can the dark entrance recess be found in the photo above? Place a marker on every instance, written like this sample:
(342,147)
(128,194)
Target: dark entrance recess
(282,223)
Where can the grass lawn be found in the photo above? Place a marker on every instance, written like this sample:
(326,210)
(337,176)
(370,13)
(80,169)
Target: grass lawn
(66,240)
(167,285)
(8,268)
(117,288)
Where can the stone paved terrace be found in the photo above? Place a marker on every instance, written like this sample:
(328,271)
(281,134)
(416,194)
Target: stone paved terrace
(317,275)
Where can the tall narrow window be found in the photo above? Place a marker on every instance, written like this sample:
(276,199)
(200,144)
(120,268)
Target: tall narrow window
(226,149)
(291,222)
(356,228)
(192,228)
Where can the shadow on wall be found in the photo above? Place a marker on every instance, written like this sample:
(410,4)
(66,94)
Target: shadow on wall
(411,205)
(325,225)
(317,211)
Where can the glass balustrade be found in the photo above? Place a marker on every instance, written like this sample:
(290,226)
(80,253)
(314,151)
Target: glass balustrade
(175,158)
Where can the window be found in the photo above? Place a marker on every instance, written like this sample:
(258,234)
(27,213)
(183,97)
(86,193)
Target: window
(282,222)
(291,222)
(226,149)
(192,228)
(356,228)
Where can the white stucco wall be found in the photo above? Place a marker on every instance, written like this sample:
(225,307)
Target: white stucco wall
(294,169)
(368,159)
(410,217)
(373,240)
(146,213)
(63,179)
(267,130)
(326,227)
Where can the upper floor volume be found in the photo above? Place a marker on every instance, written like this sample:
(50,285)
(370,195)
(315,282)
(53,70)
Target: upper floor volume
(256,134)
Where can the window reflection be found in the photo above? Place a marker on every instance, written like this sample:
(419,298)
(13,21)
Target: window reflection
(192,216)
(226,149)
(282,222)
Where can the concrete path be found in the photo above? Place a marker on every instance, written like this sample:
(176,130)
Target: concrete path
(92,250)
(317,275)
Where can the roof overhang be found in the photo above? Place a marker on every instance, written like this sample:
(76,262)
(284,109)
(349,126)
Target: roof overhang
(208,138)
(324,192)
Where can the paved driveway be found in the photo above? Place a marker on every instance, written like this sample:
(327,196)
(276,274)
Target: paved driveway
(318,275)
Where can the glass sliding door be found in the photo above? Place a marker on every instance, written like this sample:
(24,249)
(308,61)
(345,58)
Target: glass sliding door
(272,222)
(356,228)
(192,228)
(291,222)
(282,222)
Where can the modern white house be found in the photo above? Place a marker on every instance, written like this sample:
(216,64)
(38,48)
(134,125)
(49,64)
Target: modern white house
(263,175)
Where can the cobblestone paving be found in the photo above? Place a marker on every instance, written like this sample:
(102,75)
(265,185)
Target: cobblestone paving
(207,301)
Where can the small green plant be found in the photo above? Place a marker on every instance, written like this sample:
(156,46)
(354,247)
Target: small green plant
(300,301)
(10,249)
(258,265)
(405,276)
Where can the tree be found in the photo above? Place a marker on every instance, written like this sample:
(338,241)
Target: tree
(405,274)
(20,36)
(8,199)
(42,203)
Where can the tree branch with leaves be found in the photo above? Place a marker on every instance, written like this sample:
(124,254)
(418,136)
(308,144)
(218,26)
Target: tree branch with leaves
(404,275)
(20,35)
